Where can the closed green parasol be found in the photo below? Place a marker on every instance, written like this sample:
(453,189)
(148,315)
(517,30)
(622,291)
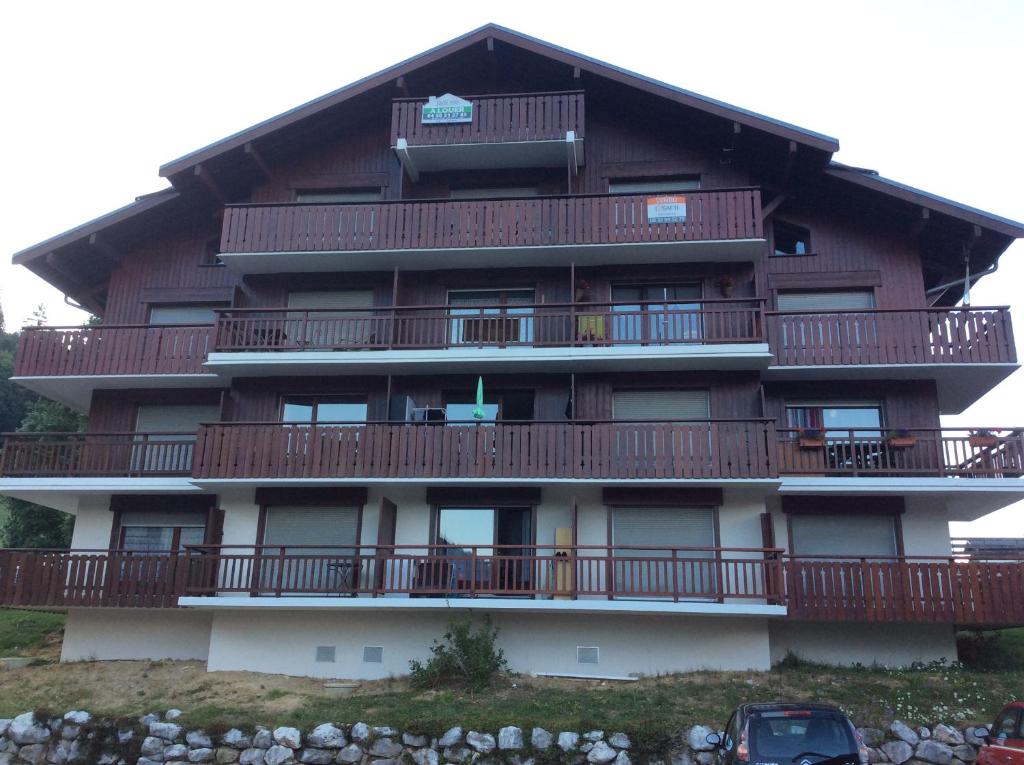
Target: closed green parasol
(478,412)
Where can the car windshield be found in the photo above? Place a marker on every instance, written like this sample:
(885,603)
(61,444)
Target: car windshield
(786,737)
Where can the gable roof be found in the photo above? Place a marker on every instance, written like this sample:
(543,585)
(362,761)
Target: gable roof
(743,117)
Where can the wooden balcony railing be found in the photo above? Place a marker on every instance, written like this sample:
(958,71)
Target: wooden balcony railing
(494,223)
(716,449)
(496,119)
(27,455)
(537,325)
(932,452)
(970,593)
(915,336)
(113,350)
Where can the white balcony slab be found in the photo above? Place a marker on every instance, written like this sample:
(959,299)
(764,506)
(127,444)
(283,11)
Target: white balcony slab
(959,384)
(63,493)
(421,259)
(75,391)
(966,499)
(528,605)
(514,359)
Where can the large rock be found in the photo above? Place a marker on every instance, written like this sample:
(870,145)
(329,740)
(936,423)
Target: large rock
(451,737)
(173,714)
(385,747)
(202,754)
(876,756)
(871,736)
(173,751)
(705,758)
(697,738)
(568,741)
(236,739)
(965,753)
(198,740)
(540,739)
(510,737)
(351,753)
(326,736)
(424,756)
(601,753)
(78,717)
(973,738)
(25,729)
(251,756)
(165,730)
(458,754)
(384,730)
(481,742)
(619,740)
(314,756)
(897,751)
(924,733)
(593,736)
(153,746)
(226,755)
(5,725)
(934,752)
(904,732)
(279,755)
(947,734)
(288,736)
(360,732)
(415,740)
(33,753)
(263,739)
(622,758)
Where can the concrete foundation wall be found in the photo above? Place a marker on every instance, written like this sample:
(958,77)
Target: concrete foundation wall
(847,643)
(125,633)
(532,642)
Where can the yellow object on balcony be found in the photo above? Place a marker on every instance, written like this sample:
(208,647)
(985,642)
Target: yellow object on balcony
(590,328)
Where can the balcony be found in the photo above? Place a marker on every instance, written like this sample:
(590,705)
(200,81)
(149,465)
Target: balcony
(716,334)
(921,452)
(68,363)
(721,449)
(504,131)
(720,225)
(964,592)
(96,455)
(967,350)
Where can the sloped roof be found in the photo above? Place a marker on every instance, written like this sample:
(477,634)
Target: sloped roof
(744,117)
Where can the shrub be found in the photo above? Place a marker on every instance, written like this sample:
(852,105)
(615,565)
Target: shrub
(463,658)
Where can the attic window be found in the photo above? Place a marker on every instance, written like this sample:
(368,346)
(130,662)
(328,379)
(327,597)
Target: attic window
(790,239)
(655,185)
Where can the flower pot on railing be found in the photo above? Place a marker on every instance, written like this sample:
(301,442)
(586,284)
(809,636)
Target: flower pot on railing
(811,438)
(983,439)
(900,439)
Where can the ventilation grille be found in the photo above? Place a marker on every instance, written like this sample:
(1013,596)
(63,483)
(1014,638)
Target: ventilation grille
(326,653)
(373,654)
(588,654)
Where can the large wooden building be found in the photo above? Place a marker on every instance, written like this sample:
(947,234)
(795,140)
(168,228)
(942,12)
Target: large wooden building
(649,378)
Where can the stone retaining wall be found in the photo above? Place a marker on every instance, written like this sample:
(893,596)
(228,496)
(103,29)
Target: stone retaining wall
(78,738)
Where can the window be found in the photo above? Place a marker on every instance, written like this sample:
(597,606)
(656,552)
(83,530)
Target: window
(825,301)
(512,405)
(339,195)
(656,313)
(327,409)
(186,313)
(493,192)
(321,542)
(660,405)
(166,435)
(485,531)
(666,184)
(1005,725)
(844,535)
(494,317)
(865,419)
(161,532)
(692,572)
(790,239)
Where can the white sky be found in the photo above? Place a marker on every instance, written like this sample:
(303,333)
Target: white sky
(97,95)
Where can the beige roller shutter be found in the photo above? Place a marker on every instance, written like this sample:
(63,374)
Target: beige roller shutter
(661,405)
(175,418)
(331,299)
(844,536)
(311,525)
(832,300)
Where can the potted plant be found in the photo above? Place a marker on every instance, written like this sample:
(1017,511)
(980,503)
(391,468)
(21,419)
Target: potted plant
(983,438)
(726,284)
(811,438)
(901,438)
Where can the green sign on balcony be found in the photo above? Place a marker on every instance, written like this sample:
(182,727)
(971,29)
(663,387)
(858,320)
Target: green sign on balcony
(446,110)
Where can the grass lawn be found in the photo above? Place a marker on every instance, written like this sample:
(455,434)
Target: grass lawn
(651,709)
(27,632)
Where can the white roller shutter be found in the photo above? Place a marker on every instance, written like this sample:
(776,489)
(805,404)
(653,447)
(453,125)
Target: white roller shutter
(664,527)
(689,574)
(831,300)
(173,424)
(844,536)
(184,314)
(331,299)
(175,418)
(661,405)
